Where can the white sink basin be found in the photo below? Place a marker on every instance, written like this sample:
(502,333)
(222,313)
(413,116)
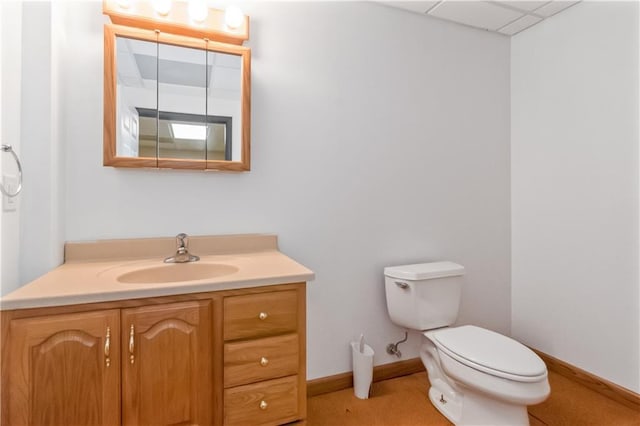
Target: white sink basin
(176,272)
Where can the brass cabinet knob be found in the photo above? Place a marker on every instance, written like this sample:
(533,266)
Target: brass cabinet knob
(263,405)
(263,316)
(264,361)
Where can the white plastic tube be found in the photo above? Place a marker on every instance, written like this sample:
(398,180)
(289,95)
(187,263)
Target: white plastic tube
(362,369)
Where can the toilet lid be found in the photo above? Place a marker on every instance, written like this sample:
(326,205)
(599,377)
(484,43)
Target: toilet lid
(490,352)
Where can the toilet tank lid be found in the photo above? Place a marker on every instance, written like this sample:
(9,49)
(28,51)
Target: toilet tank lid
(422,271)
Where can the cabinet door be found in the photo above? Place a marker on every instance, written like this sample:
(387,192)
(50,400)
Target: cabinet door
(65,370)
(167,364)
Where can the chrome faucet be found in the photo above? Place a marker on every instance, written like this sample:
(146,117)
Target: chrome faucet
(182,253)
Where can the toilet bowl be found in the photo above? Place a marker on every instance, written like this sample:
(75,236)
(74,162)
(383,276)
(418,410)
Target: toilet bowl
(491,378)
(477,376)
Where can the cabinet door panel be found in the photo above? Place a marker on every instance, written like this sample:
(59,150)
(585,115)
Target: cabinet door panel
(59,373)
(167,367)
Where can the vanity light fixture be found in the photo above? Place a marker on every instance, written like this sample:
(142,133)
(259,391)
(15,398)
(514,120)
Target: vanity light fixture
(189,131)
(162,7)
(191,18)
(124,4)
(233,16)
(198,10)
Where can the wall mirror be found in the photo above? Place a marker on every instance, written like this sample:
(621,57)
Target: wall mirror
(173,101)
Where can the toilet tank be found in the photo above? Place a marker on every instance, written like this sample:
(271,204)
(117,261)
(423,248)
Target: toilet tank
(423,296)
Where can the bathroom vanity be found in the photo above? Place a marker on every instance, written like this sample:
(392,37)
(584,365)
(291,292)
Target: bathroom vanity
(224,350)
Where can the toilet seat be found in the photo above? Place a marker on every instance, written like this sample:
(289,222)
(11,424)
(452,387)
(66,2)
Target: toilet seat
(490,353)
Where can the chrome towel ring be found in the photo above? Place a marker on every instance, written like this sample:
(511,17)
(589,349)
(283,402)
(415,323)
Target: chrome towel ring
(9,149)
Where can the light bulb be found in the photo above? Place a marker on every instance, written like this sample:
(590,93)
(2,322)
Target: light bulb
(233,16)
(198,10)
(162,7)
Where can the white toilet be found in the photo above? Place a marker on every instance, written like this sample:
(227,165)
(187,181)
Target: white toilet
(478,377)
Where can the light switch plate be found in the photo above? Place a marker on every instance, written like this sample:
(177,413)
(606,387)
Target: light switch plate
(10,183)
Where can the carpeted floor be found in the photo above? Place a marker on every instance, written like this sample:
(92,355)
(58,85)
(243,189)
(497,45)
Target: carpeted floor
(404,402)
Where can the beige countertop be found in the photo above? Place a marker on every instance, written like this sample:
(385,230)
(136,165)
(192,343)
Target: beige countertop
(92,270)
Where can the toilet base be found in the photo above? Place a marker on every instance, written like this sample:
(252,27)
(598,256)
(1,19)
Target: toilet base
(450,407)
(476,409)
(465,406)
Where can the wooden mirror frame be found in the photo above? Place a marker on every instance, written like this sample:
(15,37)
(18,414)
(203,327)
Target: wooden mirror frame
(110,84)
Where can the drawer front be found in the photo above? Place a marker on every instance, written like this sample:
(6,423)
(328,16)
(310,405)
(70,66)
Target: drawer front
(261,359)
(262,314)
(266,403)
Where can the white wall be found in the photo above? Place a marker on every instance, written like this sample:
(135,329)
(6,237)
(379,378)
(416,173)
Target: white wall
(379,137)
(10,80)
(575,287)
(42,95)
(2,37)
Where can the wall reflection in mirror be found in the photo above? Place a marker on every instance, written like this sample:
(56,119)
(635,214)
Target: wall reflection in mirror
(177,102)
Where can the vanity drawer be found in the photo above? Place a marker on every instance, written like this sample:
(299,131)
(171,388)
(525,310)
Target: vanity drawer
(266,403)
(254,360)
(260,314)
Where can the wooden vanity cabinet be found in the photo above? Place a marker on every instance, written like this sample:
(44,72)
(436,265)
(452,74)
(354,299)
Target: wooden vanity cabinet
(228,357)
(62,370)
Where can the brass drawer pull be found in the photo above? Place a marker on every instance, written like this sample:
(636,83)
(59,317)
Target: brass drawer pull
(131,344)
(107,347)
(263,405)
(263,316)
(264,361)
